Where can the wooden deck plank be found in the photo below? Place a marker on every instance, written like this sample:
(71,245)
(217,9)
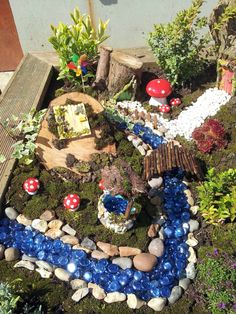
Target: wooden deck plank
(24,92)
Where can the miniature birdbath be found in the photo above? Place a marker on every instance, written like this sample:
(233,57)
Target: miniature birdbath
(158,89)
(31,186)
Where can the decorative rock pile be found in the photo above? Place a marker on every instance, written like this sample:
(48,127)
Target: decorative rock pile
(158,276)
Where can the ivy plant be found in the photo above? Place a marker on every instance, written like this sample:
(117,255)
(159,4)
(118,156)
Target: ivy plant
(24,131)
(76,41)
(8,301)
(217,196)
(177,45)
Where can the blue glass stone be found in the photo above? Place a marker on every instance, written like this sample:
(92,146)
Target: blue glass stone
(165,292)
(87,276)
(179,232)
(129,272)
(168,232)
(63,260)
(77,274)
(84,262)
(78,254)
(136,285)
(41,255)
(123,279)
(155,292)
(113,268)
(185,216)
(167,265)
(113,286)
(137,275)
(128,290)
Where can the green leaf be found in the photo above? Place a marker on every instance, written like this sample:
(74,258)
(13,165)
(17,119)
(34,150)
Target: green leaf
(2,158)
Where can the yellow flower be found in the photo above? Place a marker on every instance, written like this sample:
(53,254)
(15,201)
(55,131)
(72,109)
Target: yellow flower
(78,71)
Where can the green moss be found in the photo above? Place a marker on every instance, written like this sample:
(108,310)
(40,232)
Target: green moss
(224,238)
(35,206)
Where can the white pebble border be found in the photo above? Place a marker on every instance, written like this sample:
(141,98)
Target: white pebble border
(192,117)
(46,270)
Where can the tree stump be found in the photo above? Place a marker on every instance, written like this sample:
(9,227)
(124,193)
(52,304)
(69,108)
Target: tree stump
(123,68)
(103,68)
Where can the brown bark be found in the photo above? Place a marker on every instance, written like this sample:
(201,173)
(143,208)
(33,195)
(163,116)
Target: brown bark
(122,69)
(103,68)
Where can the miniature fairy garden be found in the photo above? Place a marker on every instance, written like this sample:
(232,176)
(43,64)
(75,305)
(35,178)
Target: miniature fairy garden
(124,194)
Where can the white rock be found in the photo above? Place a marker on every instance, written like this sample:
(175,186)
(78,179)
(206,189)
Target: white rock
(188,193)
(55,224)
(136,142)
(67,229)
(130,137)
(62,274)
(44,273)
(25,264)
(155,182)
(193,225)
(161,233)
(157,304)
(115,297)
(80,294)
(184,283)
(133,302)
(72,240)
(176,293)
(28,258)
(191,271)
(23,220)
(190,200)
(44,265)
(141,150)
(97,291)
(78,284)
(11,213)
(192,257)
(194,209)
(40,225)
(123,262)
(191,240)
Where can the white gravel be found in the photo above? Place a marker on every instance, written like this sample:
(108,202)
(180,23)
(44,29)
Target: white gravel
(192,117)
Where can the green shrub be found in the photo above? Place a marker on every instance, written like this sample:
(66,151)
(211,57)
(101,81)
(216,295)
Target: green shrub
(73,41)
(8,301)
(217,282)
(177,45)
(217,196)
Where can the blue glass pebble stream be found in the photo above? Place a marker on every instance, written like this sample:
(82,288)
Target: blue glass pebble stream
(146,285)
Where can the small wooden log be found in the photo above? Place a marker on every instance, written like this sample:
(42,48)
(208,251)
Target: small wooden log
(163,158)
(172,153)
(128,209)
(155,121)
(122,69)
(148,117)
(176,149)
(158,160)
(169,163)
(103,68)
(136,114)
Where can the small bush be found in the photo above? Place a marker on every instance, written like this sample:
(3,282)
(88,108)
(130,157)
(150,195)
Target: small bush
(177,45)
(217,282)
(217,196)
(72,42)
(210,136)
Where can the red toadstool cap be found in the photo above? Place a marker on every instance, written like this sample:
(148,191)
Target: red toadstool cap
(101,184)
(164,108)
(72,202)
(31,186)
(158,88)
(175,101)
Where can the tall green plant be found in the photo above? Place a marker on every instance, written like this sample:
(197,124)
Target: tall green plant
(8,301)
(78,39)
(218,196)
(177,45)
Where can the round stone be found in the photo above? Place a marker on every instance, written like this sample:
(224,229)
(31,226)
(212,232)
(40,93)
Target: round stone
(11,213)
(157,304)
(176,293)
(193,225)
(129,251)
(23,220)
(156,247)
(48,215)
(115,297)
(11,254)
(133,302)
(62,274)
(155,182)
(55,224)
(97,291)
(99,255)
(80,294)
(40,225)
(144,261)
(69,239)
(184,283)
(123,262)
(78,284)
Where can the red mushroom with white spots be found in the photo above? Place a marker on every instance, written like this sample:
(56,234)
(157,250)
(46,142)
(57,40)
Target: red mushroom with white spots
(158,89)
(31,186)
(72,202)
(164,108)
(175,102)
(101,185)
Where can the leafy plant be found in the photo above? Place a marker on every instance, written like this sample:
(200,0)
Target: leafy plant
(8,301)
(24,131)
(73,42)
(217,196)
(177,45)
(228,14)
(210,136)
(217,282)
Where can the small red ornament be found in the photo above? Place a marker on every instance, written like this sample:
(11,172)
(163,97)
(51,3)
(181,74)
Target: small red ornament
(175,102)
(101,184)
(164,108)
(31,186)
(72,202)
